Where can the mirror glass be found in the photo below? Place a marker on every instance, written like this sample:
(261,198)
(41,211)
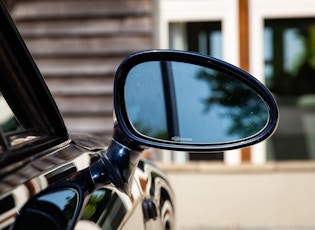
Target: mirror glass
(187,103)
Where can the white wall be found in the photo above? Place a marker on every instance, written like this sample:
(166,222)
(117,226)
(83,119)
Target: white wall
(244,197)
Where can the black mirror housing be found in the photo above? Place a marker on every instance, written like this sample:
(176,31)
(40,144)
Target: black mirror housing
(227,108)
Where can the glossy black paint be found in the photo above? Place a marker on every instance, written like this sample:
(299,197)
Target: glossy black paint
(25,90)
(57,211)
(121,158)
(109,178)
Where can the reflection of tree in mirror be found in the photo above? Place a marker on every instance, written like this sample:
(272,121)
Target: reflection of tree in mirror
(150,131)
(246,110)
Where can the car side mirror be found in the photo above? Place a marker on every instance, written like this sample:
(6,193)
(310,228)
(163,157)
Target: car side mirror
(164,99)
(187,101)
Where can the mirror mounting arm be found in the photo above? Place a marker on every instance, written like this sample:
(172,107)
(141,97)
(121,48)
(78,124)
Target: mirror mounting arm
(120,161)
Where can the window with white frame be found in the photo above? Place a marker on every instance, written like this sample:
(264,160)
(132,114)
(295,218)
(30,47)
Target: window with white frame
(282,44)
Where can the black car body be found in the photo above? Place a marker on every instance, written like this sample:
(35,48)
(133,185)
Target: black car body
(37,152)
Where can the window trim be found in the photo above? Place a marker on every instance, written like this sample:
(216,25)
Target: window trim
(258,12)
(32,95)
(226,11)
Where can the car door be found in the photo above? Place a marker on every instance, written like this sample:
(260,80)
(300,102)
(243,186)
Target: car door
(31,121)
(31,127)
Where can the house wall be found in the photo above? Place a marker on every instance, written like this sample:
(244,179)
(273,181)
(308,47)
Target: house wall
(273,196)
(78,46)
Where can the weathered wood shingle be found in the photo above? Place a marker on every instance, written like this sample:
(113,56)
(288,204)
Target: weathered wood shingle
(78,45)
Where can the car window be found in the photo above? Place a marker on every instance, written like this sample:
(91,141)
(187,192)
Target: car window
(12,132)
(8,121)
(30,122)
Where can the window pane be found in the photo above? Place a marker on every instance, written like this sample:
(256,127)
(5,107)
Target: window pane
(205,38)
(289,46)
(12,132)
(8,122)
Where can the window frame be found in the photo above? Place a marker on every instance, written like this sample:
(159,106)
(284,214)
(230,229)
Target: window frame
(26,93)
(258,12)
(270,9)
(225,11)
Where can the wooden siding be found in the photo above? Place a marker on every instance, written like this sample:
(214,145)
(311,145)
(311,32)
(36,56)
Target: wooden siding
(78,45)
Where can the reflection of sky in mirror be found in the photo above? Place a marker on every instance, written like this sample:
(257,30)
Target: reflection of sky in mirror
(195,122)
(144,97)
(235,111)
